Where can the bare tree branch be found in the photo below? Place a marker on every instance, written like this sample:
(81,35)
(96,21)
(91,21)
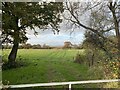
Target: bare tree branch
(76,21)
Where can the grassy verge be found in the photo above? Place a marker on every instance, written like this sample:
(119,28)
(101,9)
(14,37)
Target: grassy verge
(42,66)
(45,66)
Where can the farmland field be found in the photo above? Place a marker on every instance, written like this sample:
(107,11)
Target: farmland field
(43,65)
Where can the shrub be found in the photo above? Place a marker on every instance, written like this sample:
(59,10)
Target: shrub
(79,58)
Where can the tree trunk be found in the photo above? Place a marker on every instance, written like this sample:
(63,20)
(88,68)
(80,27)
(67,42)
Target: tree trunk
(118,45)
(13,54)
(92,63)
(116,24)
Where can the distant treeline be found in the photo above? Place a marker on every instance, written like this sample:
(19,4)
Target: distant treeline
(38,46)
(28,46)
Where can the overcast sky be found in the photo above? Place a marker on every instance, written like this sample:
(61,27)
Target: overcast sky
(47,36)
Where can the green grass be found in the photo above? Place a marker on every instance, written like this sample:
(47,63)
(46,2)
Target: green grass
(42,66)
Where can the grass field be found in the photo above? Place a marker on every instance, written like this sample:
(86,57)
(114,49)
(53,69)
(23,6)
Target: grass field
(41,66)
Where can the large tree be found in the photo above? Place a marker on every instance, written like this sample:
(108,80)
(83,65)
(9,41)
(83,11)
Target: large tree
(105,18)
(17,16)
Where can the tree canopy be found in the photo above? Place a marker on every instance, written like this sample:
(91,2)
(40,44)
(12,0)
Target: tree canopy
(101,18)
(17,16)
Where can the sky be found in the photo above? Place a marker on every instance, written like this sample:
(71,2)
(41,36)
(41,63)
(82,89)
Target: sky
(47,36)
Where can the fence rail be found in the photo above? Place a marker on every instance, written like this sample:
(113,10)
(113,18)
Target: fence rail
(59,83)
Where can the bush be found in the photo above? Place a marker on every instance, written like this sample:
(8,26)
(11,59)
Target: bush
(79,58)
(20,62)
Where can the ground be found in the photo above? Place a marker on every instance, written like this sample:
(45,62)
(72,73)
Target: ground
(43,65)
